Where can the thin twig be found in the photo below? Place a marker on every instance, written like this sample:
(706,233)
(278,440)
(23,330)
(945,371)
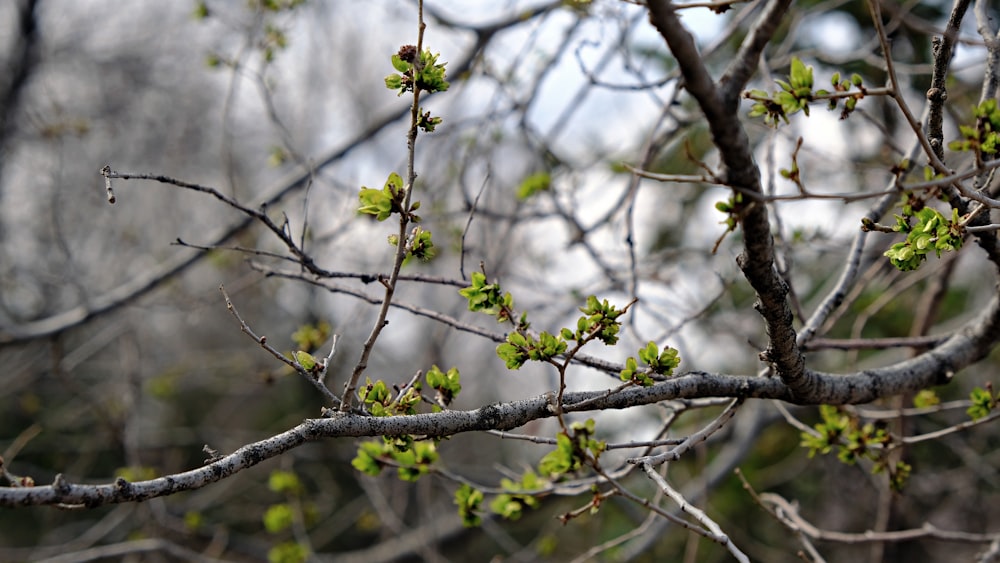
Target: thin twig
(946,431)
(803,539)
(692,440)
(404,220)
(789,515)
(316,379)
(712,530)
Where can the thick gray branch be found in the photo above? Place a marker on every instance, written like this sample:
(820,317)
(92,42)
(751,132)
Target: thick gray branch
(741,173)
(740,70)
(943,48)
(935,367)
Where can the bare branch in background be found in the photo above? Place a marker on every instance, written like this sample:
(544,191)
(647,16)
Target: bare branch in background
(710,236)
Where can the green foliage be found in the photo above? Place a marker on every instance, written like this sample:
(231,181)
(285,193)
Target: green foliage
(561,460)
(832,427)
(801,77)
(310,337)
(798,89)
(398,443)
(843,87)
(853,441)
(200,10)
(662,363)
(420,246)
(511,505)
(413,459)
(133,473)
(271,40)
(533,184)
(426,122)
(733,207)
(375,393)
(416,461)
(430,76)
(469,501)
(276,156)
(983,402)
(790,173)
(899,473)
(164,385)
(425,74)
(983,137)
(276,5)
(193,521)
(933,232)
(576,445)
(549,346)
(794,96)
(284,482)
(368,457)
(521,347)
(513,352)
(930,175)
(546,545)
(634,374)
(797,93)
(274,40)
(445,383)
(408,401)
(580,6)
(487,298)
(278,517)
(573,449)
(378,400)
(288,552)
(307,361)
(383,203)
(600,320)
(858,441)
(926,398)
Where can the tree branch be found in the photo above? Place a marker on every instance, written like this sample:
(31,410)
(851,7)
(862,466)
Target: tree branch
(740,171)
(936,366)
(739,71)
(141,285)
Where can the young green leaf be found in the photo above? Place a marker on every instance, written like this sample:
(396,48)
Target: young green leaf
(306,360)
(367,458)
(284,482)
(533,184)
(801,76)
(982,403)
(469,501)
(278,517)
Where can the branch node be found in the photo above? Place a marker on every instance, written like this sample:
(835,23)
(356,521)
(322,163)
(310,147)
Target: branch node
(106,172)
(213,455)
(60,484)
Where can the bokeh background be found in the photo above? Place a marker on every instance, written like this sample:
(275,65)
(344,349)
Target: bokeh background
(118,356)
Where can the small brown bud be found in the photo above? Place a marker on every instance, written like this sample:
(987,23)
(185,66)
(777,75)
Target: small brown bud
(408,53)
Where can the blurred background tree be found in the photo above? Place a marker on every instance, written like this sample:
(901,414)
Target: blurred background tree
(120,358)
